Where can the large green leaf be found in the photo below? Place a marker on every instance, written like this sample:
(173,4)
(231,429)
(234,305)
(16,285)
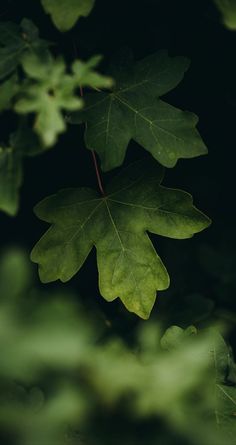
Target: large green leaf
(228,11)
(133,110)
(117,224)
(65,13)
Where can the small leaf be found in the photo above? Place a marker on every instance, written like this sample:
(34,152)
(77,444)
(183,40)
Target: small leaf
(65,13)
(133,110)
(23,142)
(10,180)
(117,224)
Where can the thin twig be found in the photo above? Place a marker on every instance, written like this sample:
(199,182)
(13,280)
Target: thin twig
(99,179)
(98,173)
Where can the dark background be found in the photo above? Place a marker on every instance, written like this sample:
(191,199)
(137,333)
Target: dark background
(202,267)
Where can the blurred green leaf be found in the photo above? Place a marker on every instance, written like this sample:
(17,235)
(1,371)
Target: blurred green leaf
(86,76)
(65,13)
(23,142)
(228,11)
(14,263)
(15,41)
(10,180)
(175,335)
(59,372)
(224,391)
(49,91)
(11,49)
(8,89)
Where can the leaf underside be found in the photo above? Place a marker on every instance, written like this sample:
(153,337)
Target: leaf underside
(117,225)
(133,110)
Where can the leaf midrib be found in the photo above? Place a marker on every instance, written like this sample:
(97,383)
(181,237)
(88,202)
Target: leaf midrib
(123,249)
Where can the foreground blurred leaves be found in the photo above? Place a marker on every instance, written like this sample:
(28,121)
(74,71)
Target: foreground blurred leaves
(62,373)
(228,11)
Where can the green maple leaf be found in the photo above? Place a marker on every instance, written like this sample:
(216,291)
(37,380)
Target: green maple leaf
(50,90)
(65,13)
(117,224)
(228,11)
(133,110)
(15,41)
(10,180)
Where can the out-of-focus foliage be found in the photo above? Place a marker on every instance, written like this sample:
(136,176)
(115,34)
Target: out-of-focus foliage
(48,90)
(65,13)
(34,83)
(228,11)
(15,42)
(63,374)
(10,179)
(23,142)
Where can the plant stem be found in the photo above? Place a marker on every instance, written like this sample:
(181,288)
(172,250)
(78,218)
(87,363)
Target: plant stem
(98,174)
(99,179)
